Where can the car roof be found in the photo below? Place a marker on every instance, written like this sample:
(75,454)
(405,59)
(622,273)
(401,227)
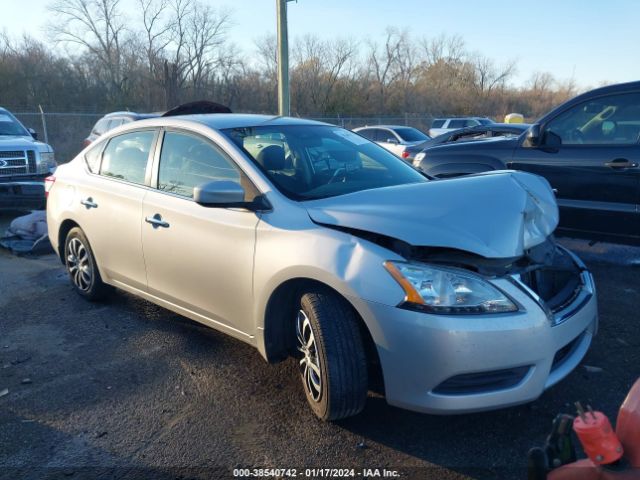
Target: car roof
(219,121)
(391,127)
(131,115)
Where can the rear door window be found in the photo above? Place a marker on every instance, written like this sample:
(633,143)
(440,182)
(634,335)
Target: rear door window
(457,123)
(369,133)
(383,135)
(125,157)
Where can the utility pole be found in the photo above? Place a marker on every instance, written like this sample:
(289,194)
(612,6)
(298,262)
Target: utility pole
(284,105)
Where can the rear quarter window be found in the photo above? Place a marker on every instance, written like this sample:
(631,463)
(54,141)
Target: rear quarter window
(93,156)
(437,123)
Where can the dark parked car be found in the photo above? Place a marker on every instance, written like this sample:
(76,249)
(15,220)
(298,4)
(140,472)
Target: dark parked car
(477,132)
(113,120)
(587,148)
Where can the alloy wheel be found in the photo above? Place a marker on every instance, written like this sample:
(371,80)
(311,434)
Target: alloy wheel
(79,264)
(310,363)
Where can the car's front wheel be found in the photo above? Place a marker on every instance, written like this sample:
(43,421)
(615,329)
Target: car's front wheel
(332,360)
(81,266)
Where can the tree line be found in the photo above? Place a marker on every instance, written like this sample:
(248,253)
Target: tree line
(100,57)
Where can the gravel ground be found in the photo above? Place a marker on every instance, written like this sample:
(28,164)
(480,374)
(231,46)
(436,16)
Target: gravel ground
(126,389)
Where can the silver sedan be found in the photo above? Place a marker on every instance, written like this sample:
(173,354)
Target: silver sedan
(309,241)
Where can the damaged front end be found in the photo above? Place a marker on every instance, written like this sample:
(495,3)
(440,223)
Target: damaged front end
(548,273)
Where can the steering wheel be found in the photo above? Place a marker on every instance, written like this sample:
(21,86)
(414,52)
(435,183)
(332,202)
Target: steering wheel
(577,136)
(339,171)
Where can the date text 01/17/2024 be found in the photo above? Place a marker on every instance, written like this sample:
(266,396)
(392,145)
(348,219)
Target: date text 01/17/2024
(315,473)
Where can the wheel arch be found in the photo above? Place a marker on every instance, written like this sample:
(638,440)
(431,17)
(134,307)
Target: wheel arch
(63,231)
(279,334)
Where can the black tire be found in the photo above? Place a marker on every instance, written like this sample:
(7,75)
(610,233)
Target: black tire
(339,352)
(82,267)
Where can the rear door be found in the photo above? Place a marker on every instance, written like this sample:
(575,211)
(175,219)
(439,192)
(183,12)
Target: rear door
(110,205)
(591,156)
(199,259)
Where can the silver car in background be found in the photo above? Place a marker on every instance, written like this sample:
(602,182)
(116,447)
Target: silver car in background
(307,240)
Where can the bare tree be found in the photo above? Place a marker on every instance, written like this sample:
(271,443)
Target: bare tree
(488,75)
(97,26)
(205,35)
(382,61)
(443,48)
(318,67)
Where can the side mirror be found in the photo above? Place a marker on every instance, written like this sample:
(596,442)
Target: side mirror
(552,140)
(393,140)
(222,193)
(33,133)
(532,138)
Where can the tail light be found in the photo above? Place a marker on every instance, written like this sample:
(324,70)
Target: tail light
(48,184)
(86,142)
(405,154)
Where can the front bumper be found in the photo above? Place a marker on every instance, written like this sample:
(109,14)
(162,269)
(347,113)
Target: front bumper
(22,192)
(446,364)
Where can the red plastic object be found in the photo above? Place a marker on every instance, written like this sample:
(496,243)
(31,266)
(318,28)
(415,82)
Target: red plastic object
(628,431)
(598,439)
(628,425)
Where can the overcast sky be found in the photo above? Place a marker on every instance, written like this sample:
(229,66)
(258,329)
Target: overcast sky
(591,41)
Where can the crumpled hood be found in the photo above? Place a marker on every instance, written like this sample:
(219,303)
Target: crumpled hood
(494,214)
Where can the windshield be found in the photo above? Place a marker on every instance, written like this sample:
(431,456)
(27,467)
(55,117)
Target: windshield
(9,126)
(411,134)
(308,162)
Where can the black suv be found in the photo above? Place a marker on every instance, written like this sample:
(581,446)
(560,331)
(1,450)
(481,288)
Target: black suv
(587,148)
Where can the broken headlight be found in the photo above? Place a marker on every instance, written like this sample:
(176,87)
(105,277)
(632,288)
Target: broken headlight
(447,290)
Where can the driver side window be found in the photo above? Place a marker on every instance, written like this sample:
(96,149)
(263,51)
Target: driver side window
(613,120)
(187,161)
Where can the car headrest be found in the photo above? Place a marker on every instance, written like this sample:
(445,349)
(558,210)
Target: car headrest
(272,158)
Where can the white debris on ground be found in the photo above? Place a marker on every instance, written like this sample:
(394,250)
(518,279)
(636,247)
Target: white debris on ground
(27,234)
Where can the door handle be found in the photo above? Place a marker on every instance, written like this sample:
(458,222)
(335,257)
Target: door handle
(89,203)
(620,163)
(156,221)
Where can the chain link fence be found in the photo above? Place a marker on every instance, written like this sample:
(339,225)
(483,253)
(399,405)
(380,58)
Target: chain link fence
(65,132)
(421,122)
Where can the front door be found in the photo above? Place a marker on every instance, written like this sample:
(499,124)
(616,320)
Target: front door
(591,156)
(199,258)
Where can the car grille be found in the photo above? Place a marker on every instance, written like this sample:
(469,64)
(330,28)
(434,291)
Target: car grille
(18,162)
(482,382)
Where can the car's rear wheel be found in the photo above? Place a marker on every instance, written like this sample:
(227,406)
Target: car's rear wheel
(81,266)
(332,360)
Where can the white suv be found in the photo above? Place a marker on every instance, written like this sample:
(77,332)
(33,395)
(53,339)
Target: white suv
(394,138)
(444,125)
